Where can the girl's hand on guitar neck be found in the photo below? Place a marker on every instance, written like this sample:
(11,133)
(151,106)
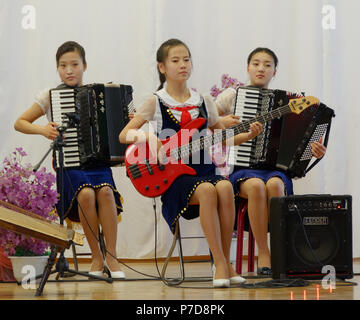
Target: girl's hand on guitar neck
(230,120)
(255,129)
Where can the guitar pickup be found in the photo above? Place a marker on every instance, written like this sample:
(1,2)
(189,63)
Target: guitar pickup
(135,171)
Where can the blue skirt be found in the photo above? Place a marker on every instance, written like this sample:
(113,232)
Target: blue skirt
(75,180)
(241,175)
(175,201)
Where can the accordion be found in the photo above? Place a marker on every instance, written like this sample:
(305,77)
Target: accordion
(101,111)
(284,143)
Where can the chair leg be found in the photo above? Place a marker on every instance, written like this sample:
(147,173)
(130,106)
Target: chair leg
(177,238)
(181,257)
(240,238)
(251,251)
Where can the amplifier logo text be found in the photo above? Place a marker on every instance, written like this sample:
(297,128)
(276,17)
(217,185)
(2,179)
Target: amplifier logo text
(315,221)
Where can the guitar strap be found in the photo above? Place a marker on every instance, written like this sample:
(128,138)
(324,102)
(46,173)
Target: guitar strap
(202,111)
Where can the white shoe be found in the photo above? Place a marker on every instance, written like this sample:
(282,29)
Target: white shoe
(96,273)
(237,280)
(220,283)
(99,273)
(115,274)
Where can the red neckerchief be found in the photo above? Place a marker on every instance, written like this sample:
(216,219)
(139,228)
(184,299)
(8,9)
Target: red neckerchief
(185,115)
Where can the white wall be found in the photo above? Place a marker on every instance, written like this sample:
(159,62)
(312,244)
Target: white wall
(121,38)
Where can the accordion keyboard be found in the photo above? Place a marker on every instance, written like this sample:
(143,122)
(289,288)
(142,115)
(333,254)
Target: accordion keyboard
(248,104)
(62,102)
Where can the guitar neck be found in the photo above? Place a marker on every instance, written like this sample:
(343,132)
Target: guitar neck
(222,135)
(266,117)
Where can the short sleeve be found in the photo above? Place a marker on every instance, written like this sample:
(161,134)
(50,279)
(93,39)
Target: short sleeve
(43,100)
(213,115)
(225,100)
(147,109)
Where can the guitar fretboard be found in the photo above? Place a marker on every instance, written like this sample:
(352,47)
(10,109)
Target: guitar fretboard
(222,135)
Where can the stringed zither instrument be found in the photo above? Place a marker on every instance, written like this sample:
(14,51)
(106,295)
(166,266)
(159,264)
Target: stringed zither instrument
(152,178)
(30,224)
(25,222)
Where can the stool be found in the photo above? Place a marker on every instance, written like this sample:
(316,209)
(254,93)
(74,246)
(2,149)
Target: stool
(243,205)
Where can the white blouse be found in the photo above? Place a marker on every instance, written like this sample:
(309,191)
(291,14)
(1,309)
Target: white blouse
(43,100)
(225,100)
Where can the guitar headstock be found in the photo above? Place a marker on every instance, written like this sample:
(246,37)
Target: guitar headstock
(299,105)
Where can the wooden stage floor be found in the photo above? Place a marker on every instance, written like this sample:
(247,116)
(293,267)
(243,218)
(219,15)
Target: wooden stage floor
(196,287)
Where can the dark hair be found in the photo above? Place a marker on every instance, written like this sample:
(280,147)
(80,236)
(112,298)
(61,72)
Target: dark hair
(70,46)
(266,50)
(163,52)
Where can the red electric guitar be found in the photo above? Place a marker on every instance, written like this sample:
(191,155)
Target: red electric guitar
(152,178)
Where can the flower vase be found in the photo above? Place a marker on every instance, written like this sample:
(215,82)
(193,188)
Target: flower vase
(28,267)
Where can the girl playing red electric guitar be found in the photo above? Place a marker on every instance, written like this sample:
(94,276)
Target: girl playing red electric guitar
(205,194)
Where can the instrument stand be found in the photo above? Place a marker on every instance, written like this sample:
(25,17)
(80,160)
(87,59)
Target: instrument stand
(62,265)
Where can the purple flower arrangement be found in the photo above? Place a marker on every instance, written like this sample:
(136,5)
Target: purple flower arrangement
(226,82)
(32,191)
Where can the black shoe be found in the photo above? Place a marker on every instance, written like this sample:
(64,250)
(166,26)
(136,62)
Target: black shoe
(264,271)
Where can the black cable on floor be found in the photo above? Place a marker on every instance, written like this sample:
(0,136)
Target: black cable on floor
(271,284)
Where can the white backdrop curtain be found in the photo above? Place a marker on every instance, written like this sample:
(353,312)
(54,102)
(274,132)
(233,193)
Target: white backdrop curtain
(315,40)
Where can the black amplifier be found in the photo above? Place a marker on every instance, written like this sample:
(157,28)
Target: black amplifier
(309,232)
